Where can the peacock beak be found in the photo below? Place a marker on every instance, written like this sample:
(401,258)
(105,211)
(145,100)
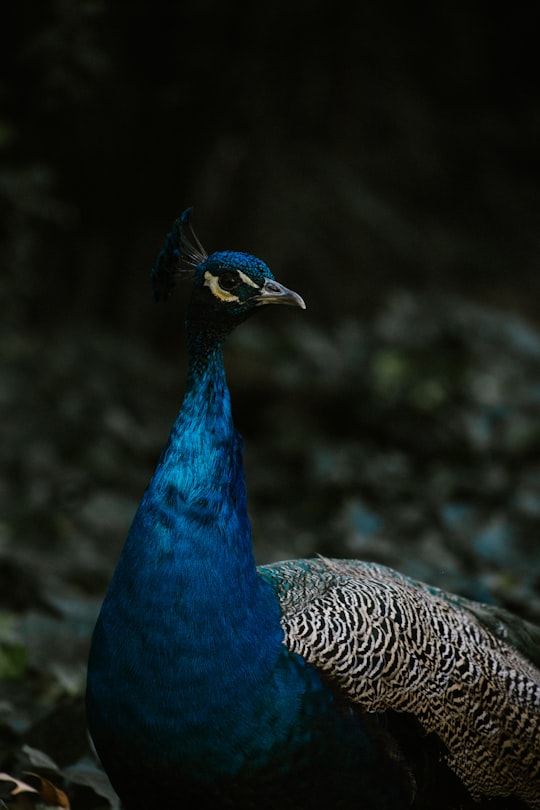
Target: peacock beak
(272,292)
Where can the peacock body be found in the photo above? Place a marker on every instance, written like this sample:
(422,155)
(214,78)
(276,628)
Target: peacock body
(304,684)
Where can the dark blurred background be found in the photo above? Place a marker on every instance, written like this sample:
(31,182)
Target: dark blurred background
(354,148)
(384,160)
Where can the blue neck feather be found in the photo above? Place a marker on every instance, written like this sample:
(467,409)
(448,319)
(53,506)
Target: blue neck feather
(188,578)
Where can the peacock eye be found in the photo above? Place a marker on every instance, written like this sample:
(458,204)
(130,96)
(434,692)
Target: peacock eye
(228,281)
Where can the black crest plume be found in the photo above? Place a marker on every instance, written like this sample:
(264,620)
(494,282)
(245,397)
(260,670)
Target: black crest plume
(179,257)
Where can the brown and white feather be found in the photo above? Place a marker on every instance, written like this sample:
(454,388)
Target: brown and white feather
(389,642)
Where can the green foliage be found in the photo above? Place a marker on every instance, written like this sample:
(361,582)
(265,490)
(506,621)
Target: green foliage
(13,657)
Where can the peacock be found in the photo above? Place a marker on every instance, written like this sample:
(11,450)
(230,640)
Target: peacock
(305,684)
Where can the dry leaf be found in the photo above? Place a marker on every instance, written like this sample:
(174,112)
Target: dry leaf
(23,796)
(20,796)
(19,787)
(50,795)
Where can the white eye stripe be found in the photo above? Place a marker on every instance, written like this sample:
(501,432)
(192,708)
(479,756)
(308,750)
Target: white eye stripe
(212,282)
(248,280)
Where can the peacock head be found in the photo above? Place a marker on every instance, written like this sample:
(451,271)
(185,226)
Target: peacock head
(227,285)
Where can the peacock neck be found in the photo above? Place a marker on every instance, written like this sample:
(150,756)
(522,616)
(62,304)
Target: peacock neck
(206,408)
(198,487)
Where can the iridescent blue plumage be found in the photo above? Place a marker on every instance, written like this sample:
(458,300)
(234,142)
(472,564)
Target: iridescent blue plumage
(190,685)
(195,693)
